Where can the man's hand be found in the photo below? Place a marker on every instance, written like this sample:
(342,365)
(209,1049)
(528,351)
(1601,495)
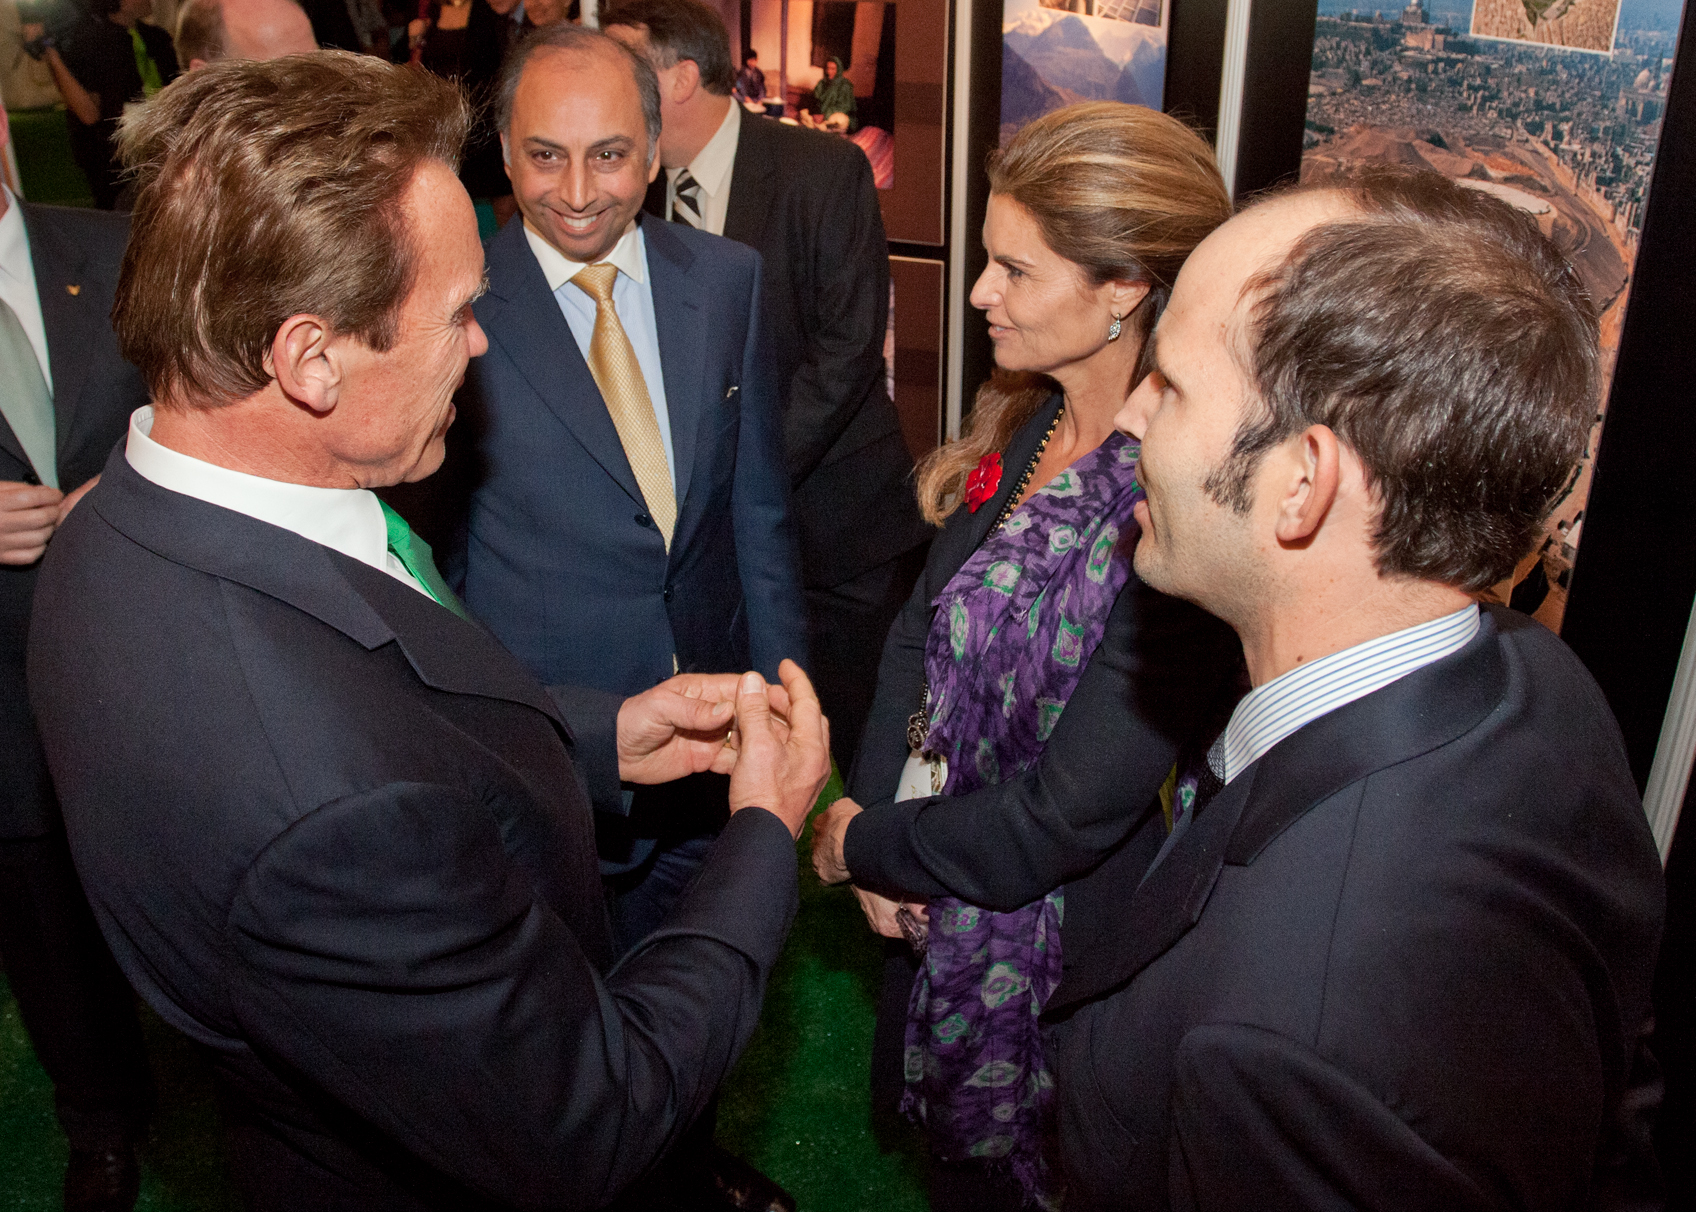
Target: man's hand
(880,913)
(679,727)
(29,513)
(830,829)
(782,766)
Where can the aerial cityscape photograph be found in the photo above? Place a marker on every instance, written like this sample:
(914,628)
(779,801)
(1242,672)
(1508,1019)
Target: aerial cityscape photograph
(1566,134)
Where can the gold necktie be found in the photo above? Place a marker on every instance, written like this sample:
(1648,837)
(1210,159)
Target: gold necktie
(619,376)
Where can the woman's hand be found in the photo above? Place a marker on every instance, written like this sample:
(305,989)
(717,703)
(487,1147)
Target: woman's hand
(830,827)
(880,913)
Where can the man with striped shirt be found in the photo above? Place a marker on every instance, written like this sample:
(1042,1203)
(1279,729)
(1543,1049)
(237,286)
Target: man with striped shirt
(1397,951)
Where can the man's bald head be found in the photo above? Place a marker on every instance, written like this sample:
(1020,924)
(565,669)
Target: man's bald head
(1439,334)
(209,30)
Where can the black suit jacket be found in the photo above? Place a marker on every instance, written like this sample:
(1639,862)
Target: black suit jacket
(807,203)
(335,834)
(1402,961)
(76,255)
(1160,671)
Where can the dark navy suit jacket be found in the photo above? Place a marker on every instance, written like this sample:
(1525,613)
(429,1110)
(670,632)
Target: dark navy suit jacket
(337,835)
(76,255)
(1402,962)
(554,551)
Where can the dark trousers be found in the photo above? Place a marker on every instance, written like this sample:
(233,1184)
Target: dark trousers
(76,1005)
(847,625)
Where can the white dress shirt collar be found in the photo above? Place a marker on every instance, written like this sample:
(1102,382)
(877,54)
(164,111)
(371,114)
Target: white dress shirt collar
(17,281)
(630,255)
(348,520)
(14,242)
(712,164)
(1273,711)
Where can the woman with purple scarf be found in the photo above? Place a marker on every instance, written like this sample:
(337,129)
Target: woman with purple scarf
(1028,603)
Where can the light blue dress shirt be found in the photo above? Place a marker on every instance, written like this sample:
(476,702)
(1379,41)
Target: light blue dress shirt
(632,299)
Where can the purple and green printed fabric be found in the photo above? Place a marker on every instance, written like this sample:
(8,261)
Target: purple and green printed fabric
(1010,636)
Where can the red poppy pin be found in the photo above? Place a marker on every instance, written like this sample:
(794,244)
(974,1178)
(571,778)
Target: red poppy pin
(984,480)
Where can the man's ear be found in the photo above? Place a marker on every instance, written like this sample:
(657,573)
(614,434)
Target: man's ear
(1306,479)
(685,79)
(306,363)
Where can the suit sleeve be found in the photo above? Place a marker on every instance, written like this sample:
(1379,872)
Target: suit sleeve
(846,316)
(392,954)
(1159,671)
(1262,1121)
(592,716)
(767,555)
(882,751)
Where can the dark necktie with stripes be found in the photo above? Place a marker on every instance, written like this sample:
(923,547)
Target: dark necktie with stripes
(686,204)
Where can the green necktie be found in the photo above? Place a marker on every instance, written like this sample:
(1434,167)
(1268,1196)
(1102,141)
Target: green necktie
(149,70)
(414,553)
(25,401)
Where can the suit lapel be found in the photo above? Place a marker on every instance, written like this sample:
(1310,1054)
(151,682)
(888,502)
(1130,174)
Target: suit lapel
(446,652)
(364,604)
(1415,715)
(752,188)
(521,315)
(680,315)
(71,320)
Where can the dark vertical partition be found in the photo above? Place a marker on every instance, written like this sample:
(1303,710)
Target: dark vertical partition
(1195,50)
(1635,576)
(981,129)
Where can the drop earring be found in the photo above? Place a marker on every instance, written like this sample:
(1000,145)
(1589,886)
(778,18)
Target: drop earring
(1113,329)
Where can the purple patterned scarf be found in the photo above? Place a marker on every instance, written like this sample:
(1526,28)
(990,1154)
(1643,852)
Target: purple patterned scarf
(1011,634)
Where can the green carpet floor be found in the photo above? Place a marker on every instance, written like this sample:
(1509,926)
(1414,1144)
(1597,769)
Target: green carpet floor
(796,1105)
(43,146)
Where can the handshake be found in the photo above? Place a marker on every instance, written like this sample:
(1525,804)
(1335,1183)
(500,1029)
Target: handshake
(772,740)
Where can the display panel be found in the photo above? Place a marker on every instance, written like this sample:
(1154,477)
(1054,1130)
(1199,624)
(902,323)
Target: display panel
(1566,134)
(1056,52)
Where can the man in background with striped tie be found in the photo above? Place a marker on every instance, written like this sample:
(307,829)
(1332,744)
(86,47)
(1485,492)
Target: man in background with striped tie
(65,395)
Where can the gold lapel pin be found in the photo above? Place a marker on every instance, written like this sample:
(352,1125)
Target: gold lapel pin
(73,291)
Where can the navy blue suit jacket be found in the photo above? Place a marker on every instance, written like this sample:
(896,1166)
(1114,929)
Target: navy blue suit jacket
(554,550)
(1402,961)
(76,254)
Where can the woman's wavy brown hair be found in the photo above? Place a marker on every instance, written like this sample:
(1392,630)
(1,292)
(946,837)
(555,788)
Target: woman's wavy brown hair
(1121,191)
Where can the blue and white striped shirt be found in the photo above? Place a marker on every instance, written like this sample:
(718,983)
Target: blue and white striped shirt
(1271,712)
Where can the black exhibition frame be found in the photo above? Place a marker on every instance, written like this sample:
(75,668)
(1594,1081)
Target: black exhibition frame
(980,126)
(1275,76)
(1195,54)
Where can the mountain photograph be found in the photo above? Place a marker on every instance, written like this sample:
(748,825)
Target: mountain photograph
(1051,57)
